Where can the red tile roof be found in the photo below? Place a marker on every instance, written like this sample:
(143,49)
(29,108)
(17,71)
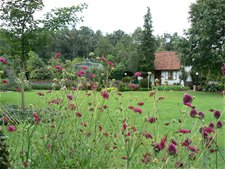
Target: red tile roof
(166,60)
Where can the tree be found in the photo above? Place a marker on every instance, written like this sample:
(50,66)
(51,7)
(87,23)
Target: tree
(147,46)
(104,47)
(19,21)
(65,17)
(115,36)
(18,18)
(167,42)
(206,37)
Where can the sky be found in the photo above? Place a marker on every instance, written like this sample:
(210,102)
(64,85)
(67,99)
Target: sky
(168,16)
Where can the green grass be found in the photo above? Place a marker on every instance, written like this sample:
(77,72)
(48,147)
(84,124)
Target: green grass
(168,110)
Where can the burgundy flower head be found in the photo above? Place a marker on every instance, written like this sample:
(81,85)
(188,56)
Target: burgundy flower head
(201,115)
(193,113)
(212,125)
(152,119)
(140,103)
(219,124)
(187,98)
(183,131)
(217,114)
(57,55)
(11,128)
(3,60)
(172,149)
(148,135)
(58,67)
(137,110)
(105,95)
(137,74)
(69,96)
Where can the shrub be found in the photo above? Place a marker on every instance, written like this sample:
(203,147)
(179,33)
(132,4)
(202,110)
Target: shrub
(172,87)
(41,74)
(126,79)
(4,153)
(144,83)
(44,86)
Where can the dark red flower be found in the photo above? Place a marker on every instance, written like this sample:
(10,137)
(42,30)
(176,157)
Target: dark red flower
(137,110)
(186,142)
(152,119)
(146,158)
(160,146)
(11,128)
(208,130)
(105,107)
(212,125)
(84,67)
(174,142)
(219,124)
(110,64)
(217,114)
(183,131)
(105,94)
(193,149)
(18,90)
(78,114)
(4,81)
(131,107)
(25,164)
(124,157)
(36,117)
(148,135)
(69,96)
(132,86)
(140,103)
(137,74)
(57,55)
(58,67)
(80,73)
(201,115)
(103,59)
(92,76)
(3,60)
(40,94)
(55,101)
(193,113)
(187,98)
(172,149)
(124,125)
(94,87)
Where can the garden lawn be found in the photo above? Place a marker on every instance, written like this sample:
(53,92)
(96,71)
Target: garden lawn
(166,106)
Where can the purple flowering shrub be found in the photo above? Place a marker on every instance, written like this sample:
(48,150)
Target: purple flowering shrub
(101,129)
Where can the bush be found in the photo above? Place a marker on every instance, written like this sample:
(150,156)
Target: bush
(15,87)
(122,87)
(213,87)
(144,83)
(41,74)
(44,86)
(172,87)
(126,79)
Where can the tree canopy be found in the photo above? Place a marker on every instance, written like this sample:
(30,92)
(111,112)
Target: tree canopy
(205,42)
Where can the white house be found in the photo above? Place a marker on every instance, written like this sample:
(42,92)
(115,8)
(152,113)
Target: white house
(167,68)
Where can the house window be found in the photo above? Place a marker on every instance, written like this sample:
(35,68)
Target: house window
(171,75)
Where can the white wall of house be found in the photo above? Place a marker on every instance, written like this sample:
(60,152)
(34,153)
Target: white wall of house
(170,76)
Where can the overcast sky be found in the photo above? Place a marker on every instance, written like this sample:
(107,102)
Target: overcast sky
(168,16)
